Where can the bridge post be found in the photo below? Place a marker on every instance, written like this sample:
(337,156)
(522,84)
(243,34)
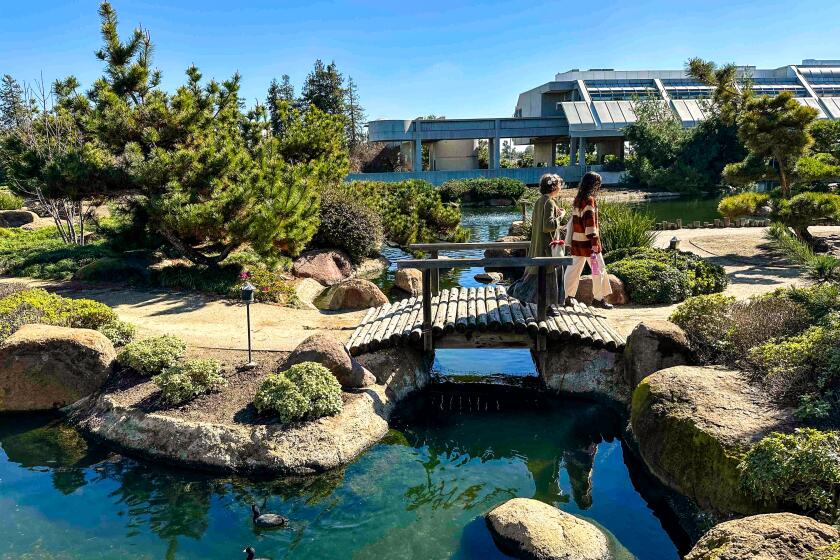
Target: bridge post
(435,275)
(541,305)
(428,342)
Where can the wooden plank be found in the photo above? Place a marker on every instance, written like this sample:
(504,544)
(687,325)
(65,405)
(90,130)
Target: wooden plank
(494,320)
(471,246)
(414,320)
(396,336)
(377,338)
(428,342)
(504,309)
(440,311)
(620,341)
(451,311)
(570,329)
(461,319)
(481,309)
(359,333)
(484,340)
(585,317)
(496,262)
(367,342)
(519,323)
(556,330)
(530,312)
(391,326)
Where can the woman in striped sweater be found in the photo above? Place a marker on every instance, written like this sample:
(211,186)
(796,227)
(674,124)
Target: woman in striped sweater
(585,240)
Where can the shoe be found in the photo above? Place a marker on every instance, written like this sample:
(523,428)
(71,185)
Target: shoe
(553,311)
(602,304)
(569,302)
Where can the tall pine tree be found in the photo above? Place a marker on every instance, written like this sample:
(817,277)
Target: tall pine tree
(278,92)
(324,89)
(355,116)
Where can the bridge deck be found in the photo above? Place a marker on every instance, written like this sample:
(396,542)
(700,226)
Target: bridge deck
(473,311)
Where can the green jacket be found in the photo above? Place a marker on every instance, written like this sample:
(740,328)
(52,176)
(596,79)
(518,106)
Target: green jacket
(544,222)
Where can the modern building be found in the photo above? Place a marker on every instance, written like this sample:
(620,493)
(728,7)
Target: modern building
(579,110)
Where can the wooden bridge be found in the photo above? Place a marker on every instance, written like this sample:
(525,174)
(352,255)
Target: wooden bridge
(483,317)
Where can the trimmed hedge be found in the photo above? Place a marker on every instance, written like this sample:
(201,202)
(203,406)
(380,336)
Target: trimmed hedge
(183,382)
(306,391)
(482,189)
(742,204)
(151,356)
(349,225)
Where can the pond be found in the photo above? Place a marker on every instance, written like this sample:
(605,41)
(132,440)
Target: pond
(420,493)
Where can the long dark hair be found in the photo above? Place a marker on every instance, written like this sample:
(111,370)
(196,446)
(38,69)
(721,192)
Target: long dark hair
(589,185)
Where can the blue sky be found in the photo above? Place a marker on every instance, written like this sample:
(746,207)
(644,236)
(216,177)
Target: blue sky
(459,59)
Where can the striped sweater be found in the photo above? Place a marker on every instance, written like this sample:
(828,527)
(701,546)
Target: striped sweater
(584,228)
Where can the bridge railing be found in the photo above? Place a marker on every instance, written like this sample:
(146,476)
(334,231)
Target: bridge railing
(431,267)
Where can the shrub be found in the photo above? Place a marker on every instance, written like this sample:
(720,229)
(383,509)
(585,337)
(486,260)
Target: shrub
(705,320)
(806,208)
(183,382)
(151,356)
(649,281)
(411,211)
(820,268)
(13,319)
(271,287)
(482,189)
(225,280)
(757,320)
(799,469)
(9,200)
(742,204)
(622,227)
(702,276)
(818,301)
(40,306)
(305,391)
(42,254)
(348,225)
(118,332)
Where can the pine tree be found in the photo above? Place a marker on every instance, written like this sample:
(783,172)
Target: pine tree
(355,116)
(12,106)
(324,89)
(277,92)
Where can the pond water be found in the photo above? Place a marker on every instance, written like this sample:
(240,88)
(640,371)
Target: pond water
(420,493)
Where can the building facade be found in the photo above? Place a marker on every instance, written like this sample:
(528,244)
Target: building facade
(582,113)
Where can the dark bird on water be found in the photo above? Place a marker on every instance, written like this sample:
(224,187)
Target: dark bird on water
(249,552)
(267,520)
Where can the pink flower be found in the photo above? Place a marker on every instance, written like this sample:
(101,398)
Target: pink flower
(244,275)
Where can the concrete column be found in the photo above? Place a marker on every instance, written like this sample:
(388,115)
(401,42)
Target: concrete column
(572,151)
(494,153)
(553,153)
(417,165)
(582,152)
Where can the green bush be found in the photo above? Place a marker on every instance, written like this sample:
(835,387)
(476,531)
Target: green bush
(820,268)
(621,227)
(151,356)
(705,320)
(43,307)
(42,254)
(183,382)
(702,276)
(806,208)
(798,470)
(482,189)
(411,211)
(118,332)
(348,225)
(818,301)
(742,204)
(648,281)
(9,200)
(306,391)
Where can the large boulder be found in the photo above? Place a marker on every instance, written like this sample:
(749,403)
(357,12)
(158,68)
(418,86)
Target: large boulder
(371,268)
(327,266)
(774,536)
(695,424)
(409,280)
(530,529)
(587,371)
(17,218)
(44,367)
(617,297)
(654,345)
(354,293)
(512,273)
(330,353)
(307,291)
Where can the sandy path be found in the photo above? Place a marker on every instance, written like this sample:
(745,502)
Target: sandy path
(215,323)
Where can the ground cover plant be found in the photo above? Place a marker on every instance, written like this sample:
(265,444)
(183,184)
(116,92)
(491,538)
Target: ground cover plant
(184,381)
(305,391)
(39,306)
(44,254)
(482,189)
(151,356)
(653,275)
(9,200)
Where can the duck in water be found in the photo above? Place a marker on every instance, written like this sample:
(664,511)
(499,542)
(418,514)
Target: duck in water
(249,554)
(267,520)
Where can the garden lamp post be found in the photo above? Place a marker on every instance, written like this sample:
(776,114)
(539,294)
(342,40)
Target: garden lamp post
(247,292)
(675,247)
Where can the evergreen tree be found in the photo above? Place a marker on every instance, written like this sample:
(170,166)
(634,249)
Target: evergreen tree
(12,106)
(355,116)
(277,92)
(324,89)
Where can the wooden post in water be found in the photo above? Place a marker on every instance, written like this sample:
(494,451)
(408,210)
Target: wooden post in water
(428,342)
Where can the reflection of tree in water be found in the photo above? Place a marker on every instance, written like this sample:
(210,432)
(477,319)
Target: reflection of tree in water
(38,441)
(564,433)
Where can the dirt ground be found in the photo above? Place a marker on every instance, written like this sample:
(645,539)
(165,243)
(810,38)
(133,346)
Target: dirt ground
(217,324)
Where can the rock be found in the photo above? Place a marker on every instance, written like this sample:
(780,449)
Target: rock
(488,277)
(354,293)
(694,425)
(307,291)
(583,370)
(330,353)
(500,202)
(17,218)
(371,268)
(327,266)
(240,445)
(774,536)
(512,273)
(654,345)
(534,530)
(518,228)
(617,297)
(409,280)
(44,367)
